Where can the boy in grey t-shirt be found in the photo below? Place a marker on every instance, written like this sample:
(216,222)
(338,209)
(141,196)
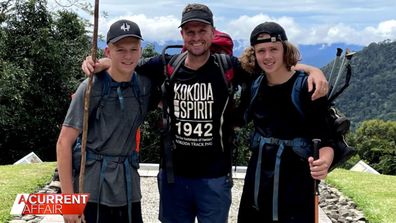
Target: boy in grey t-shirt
(119,102)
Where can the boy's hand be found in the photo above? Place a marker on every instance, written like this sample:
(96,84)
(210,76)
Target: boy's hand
(320,167)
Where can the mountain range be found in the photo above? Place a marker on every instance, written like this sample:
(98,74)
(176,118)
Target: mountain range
(317,55)
(372,90)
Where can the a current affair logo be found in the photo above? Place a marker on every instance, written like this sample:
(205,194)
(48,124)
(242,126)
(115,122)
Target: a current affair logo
(39,204)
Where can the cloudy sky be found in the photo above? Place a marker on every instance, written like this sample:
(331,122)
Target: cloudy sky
(306,21)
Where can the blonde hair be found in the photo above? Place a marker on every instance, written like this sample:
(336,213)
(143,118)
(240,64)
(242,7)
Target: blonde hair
(248,60)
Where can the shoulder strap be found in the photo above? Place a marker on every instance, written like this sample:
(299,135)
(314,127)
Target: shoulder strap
(108,84)
(105,78)
(175,63)
(295,95)
(296,92)
(106,81)
(254,89)
(225,64)
(136,90)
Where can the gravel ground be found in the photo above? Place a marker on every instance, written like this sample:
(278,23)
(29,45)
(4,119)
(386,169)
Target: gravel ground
(150,199)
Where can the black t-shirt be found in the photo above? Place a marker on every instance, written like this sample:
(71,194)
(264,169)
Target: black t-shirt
(275,115)
(201,116)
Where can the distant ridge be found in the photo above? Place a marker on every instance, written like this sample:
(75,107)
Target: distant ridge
(317,55)
(372,90)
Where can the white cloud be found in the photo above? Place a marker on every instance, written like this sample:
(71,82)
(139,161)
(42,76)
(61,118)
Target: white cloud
(306,22)
(157,29)
(326,34)
(384,30)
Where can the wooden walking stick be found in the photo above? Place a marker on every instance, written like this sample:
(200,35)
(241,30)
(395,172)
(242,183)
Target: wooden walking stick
(316,143)
(87,97)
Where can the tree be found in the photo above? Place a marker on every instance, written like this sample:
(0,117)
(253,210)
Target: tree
(42,53)
(150,128)
(375,141)
(149,51)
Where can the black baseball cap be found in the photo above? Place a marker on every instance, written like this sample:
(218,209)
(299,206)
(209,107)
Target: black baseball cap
(121,29)
(276,32)
(197,12)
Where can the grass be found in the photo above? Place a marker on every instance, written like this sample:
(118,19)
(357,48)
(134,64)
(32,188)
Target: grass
(23,178)
(374,194)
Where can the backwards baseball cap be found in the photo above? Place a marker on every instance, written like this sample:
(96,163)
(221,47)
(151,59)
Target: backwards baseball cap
(197,12)
(121,29)
(276,32)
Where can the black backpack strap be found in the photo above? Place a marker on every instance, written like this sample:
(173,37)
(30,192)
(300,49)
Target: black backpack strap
(296,92)
(106,80)
(167,140)
(136,90)
(254,89)
(175,62)
(225,64)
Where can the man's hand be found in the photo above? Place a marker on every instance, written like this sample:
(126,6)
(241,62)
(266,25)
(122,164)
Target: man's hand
(89,67)
(315,78)
(320,167)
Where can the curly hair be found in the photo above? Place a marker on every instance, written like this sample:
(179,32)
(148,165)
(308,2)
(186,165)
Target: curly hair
(248,60)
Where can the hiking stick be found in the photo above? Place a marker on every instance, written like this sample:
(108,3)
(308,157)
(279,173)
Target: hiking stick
(345,64)
(338,54)
(340,70)
(316,143)
(347,77)
(87,96)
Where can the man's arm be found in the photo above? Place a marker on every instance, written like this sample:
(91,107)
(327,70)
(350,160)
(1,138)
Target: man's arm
(316,78)
(151,67)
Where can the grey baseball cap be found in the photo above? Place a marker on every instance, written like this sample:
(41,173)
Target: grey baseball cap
(121,29)
(198,13)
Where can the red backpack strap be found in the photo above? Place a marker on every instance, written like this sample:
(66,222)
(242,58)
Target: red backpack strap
(138,138)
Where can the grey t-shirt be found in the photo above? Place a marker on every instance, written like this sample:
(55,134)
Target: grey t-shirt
(112,131)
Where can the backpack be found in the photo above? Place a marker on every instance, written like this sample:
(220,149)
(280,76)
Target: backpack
(339,124)
(131,159)
(221,49)
(97,111)
(222,43)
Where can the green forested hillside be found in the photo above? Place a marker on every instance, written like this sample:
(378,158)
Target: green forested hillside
(372,91)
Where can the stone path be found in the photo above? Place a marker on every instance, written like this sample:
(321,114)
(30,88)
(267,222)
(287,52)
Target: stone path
(338,207)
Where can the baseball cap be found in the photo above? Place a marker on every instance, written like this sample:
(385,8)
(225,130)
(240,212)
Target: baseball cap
(121,29)
(276,32)
(197,12)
